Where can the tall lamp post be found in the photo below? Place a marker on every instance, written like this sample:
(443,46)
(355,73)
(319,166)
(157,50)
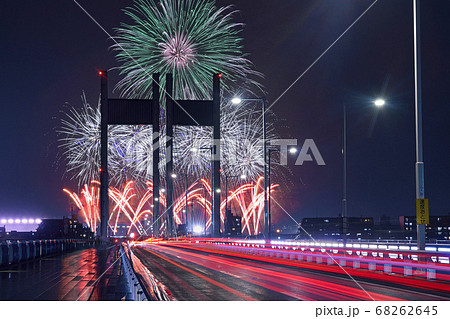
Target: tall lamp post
(211,149)
(420,187)
(263,99)
(292,150)
(186,197)
(226,198)
(379,103)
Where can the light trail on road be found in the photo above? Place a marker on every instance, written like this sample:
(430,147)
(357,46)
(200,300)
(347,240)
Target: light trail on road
(192,274)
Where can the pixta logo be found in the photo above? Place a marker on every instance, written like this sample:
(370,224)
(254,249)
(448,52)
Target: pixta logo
(309,152)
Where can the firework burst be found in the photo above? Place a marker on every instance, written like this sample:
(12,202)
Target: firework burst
(190,39)
(132,206)
(80,140)
(130,147)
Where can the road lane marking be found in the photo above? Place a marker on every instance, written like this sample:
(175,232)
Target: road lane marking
(212,281)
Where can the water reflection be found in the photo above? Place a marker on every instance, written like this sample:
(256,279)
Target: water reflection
(72,276)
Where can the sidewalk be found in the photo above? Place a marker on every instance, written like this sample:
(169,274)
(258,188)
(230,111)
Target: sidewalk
(89,274)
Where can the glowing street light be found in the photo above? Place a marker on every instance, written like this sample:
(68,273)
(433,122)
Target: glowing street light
(379,102)
(197,229)
(236,100)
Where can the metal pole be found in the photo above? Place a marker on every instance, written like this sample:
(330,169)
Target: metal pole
(226,206)
(344,194)
(266,208)
(186,203)
(204,193)
(169,156)
(216,163)
(104,177)
(420,187)
(270,208)
(211,149)
(156,145)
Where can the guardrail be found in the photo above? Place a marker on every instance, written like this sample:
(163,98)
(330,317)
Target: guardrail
(135,291)
(431,264)
(12,252)
(142,285)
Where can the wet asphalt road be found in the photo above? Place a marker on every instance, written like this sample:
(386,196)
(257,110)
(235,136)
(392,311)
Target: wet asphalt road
(197,275)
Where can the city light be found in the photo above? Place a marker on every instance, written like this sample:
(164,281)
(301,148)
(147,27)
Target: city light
(20,221)
(197,229)
(379,102)
(236,100)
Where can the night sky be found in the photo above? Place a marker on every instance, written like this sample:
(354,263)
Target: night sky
(50,51)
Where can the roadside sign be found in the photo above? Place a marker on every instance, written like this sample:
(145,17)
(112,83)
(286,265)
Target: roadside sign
(423,214)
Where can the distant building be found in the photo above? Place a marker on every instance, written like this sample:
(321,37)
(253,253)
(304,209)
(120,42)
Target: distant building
(332,228)
(233,227)
(120,231)
(67,227)
(182,230)
(386,228)
(17,235)
(284,231)
(437,229)
(51,228)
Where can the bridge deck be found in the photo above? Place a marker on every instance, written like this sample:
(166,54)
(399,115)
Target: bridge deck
(89,274)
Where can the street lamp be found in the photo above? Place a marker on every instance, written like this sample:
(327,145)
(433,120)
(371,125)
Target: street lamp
(226,198)
(238,100)
(211,149)
(186,199)
(420,187)
(379,103)
(292,150)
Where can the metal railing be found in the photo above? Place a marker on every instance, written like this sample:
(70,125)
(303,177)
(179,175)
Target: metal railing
(15,251)
(142,285)
(135,291)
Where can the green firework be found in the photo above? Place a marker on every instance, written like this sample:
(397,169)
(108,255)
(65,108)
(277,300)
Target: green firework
(190,39)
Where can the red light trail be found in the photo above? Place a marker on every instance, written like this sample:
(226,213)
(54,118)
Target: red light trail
(265,278)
